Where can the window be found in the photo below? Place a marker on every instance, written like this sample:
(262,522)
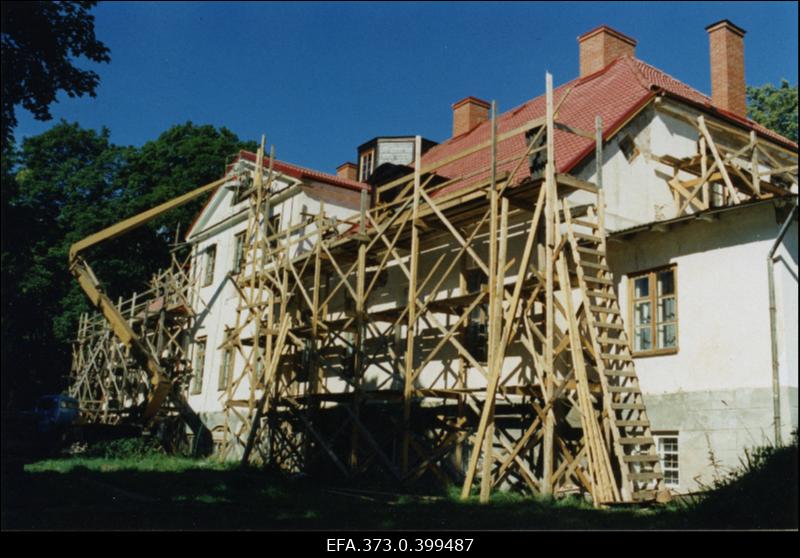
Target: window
(210,260)
(273,227)
(667,444)
(199,365)
(238,252)
(225,368)
(717,195)
(628,148)
(476,335)
(367,165)
(654,312)
(349,357)
(243,189)
(303,361)
(261,368)
(538,157)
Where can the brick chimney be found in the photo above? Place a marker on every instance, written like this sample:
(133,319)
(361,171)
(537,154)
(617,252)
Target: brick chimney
(601,46)
(726,42)
(468,113)
(347,170)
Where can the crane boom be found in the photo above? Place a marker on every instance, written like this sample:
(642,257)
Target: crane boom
(161,384)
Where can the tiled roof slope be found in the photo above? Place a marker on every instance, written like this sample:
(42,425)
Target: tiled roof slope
(615,93)
(301,173)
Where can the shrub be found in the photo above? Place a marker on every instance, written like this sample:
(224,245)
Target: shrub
(125,448)
(762,493)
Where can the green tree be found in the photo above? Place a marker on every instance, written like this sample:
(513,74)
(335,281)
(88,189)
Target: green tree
(182,158)
(61,189)
(774,107)
(65,184)
(39,41)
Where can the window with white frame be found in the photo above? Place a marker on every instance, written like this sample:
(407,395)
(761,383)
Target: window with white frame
(238,252)
(367,165)
(199,365)
(210,261)
(225,369)
(668,451)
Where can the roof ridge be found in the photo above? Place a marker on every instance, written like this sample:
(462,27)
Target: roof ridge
(670,76)
(331,178)
(707,101)
(637,72)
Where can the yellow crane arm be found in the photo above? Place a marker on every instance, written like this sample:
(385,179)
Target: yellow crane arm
(91,286)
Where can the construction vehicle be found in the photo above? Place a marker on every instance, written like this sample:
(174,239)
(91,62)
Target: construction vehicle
(54,412)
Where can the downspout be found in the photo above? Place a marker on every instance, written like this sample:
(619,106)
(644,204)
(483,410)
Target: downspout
(773,334)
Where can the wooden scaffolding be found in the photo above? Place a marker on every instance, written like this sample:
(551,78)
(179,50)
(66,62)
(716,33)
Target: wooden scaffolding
(730,167)
(110,384)
(339,376)
(361,348)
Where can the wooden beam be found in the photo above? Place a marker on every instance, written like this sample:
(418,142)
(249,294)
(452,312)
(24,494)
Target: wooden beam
(720,164)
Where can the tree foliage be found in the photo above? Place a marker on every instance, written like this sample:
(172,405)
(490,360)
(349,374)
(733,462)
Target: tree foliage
(65,184)
(774,107)
(39,42)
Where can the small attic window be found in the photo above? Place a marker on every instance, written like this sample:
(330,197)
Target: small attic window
(628,147)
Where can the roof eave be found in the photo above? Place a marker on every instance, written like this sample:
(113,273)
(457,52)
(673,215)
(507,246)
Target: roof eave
(645,227)
(727,117)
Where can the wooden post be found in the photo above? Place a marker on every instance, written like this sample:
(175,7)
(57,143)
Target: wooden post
(550,240)
(412,305)
(461,381)
(359,338)
(704,171)
(494,302)
(754,164)
(314,364)
(718,159)
(598,151)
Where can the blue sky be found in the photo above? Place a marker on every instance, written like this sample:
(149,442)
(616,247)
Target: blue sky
(321,78)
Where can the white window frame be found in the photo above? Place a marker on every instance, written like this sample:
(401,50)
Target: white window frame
(239,251)
(226,369)
(201,345)
(209,264)
(660,437)
(366,165)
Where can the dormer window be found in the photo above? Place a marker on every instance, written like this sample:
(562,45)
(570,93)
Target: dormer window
(243,184)
(243,189)
(367,165)
(628,147)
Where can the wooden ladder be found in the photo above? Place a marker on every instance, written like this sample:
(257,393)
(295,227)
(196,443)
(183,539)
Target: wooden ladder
(622,405)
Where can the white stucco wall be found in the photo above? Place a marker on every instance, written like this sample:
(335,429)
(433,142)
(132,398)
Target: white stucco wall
(786,289)
(216,306)
(723,308)
(715,393)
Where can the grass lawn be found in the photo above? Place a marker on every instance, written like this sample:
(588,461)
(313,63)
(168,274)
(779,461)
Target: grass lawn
(158,492)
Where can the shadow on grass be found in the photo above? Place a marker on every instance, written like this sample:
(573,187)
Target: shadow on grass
(107,494)
(168,493)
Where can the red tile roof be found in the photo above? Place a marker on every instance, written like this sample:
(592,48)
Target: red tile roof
(303,173)
(615,93)
(296,171)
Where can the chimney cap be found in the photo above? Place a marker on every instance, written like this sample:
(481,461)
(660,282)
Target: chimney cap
(473,100)
(726,23)
(347,164)
(606,29)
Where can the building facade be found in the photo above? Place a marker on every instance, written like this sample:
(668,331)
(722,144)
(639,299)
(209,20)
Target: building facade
(699,207)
